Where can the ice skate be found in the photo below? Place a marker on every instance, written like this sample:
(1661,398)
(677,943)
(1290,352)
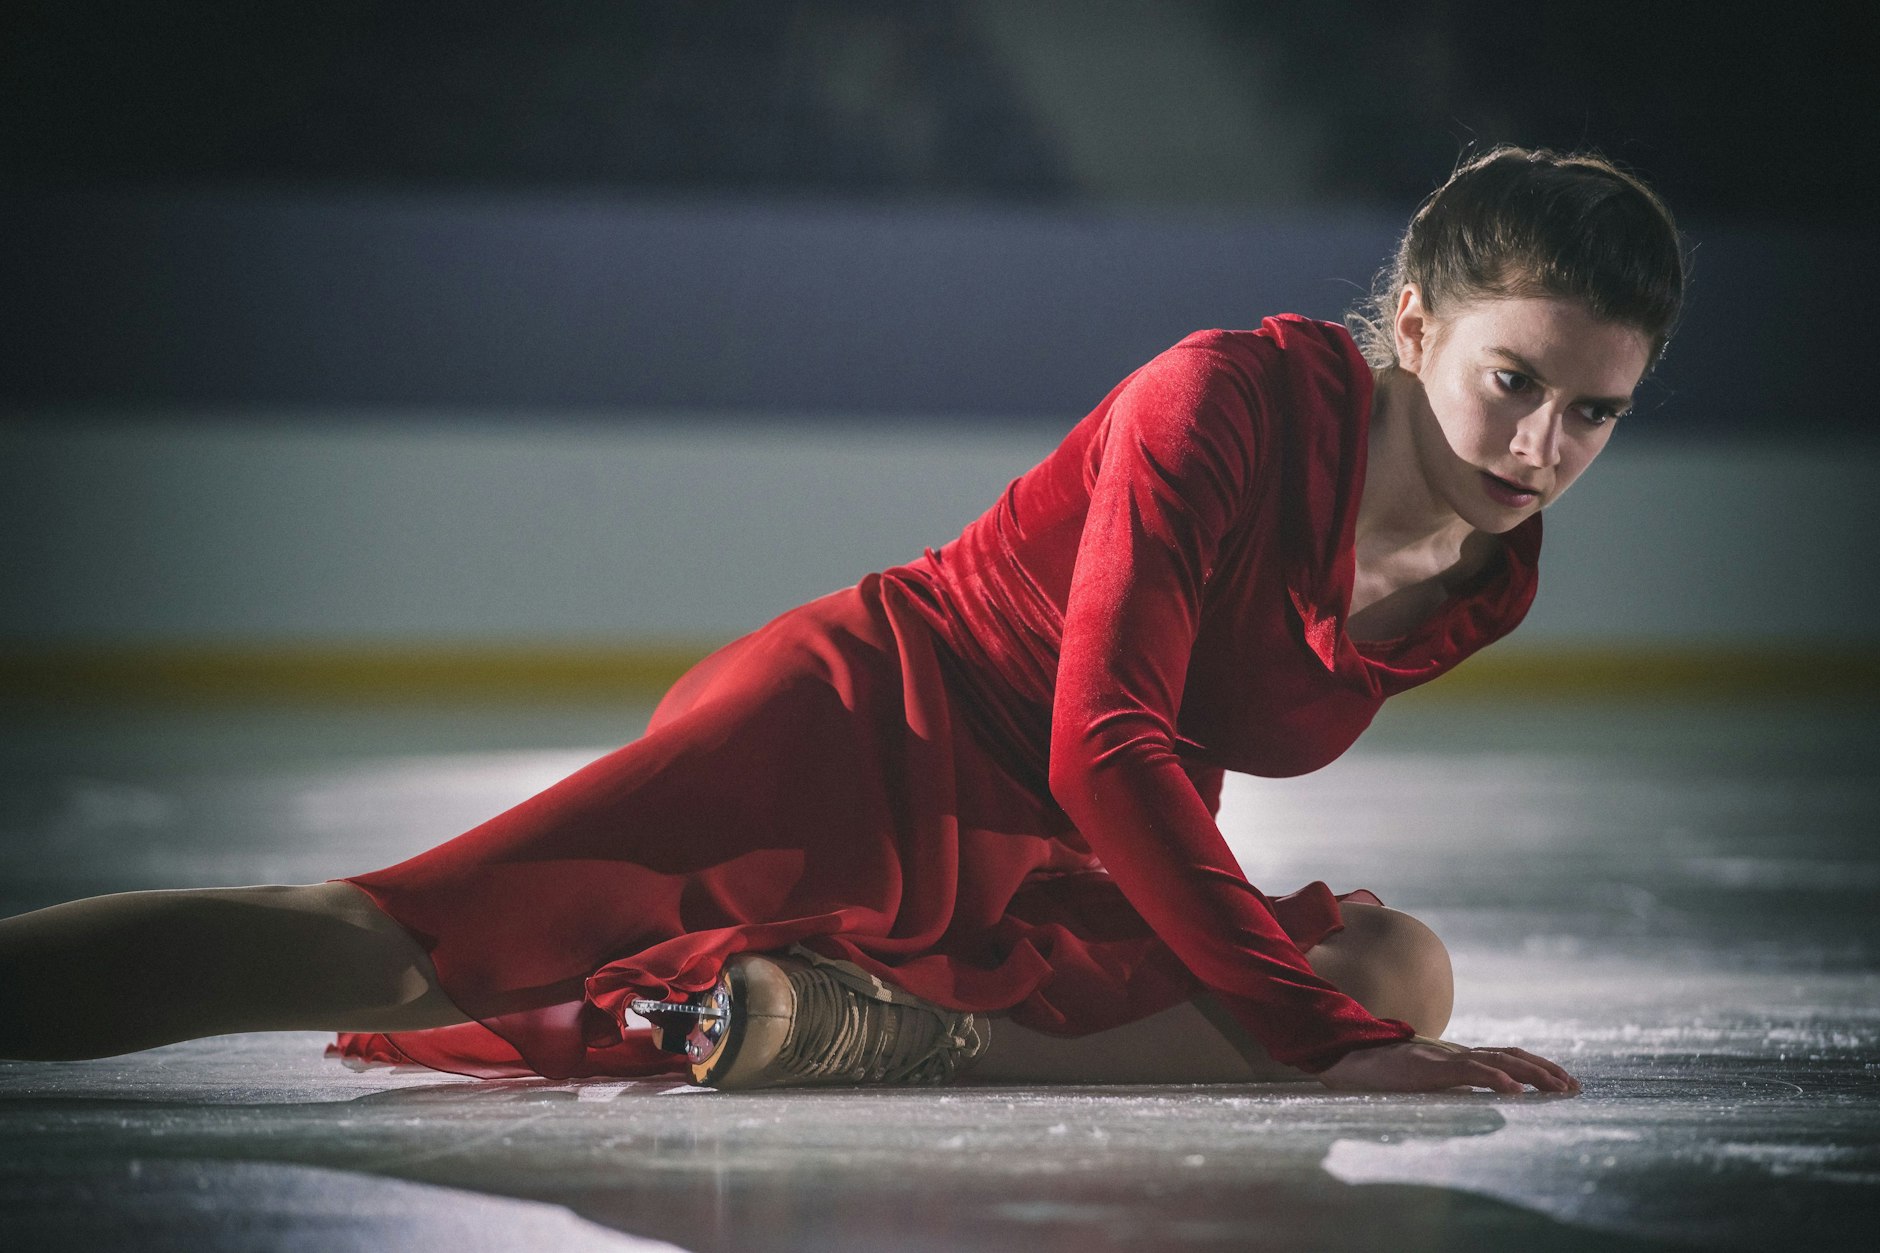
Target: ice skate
(775,1020)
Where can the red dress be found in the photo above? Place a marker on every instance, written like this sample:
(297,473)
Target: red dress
(989,775)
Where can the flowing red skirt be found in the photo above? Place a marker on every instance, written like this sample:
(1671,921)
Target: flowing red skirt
(818,781)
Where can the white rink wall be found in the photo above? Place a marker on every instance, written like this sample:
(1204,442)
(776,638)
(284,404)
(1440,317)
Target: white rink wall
(299,529)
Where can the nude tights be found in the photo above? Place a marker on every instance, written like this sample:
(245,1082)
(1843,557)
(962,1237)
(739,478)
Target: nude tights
(116,974)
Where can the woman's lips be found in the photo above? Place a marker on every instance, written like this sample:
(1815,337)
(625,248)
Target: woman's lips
(1503,492)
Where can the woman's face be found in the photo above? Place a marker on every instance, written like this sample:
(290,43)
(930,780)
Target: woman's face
(1517,397)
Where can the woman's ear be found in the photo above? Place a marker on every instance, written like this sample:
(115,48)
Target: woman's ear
(1409,327)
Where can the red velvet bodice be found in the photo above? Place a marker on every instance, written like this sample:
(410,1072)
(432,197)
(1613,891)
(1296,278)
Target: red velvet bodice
(1165,596)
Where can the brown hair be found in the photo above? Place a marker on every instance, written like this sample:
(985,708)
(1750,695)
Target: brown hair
(1530,222)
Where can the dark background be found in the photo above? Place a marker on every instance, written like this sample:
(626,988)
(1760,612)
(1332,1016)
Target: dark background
(981,210)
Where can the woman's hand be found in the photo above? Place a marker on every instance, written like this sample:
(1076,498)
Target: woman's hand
(1422,1065)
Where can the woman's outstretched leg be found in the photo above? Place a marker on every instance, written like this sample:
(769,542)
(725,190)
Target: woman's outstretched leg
(1387,960)
(115,974)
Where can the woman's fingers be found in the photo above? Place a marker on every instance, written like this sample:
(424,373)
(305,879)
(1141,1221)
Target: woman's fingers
(1557,1071)
(1519,1069)
(1477,1074)
(1508,1070)
(1561,1080)
(1428,1065)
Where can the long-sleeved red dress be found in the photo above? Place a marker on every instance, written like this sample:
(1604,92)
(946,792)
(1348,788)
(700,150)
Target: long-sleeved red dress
(989,775)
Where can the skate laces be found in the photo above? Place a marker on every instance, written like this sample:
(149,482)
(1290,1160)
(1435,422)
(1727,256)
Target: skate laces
(851,1026)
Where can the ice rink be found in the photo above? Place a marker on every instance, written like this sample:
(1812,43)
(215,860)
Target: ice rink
(1678,903)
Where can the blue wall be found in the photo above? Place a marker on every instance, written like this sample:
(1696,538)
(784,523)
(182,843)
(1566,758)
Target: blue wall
(870,311)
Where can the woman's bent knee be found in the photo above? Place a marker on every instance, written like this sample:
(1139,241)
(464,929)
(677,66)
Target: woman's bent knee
(1392,964)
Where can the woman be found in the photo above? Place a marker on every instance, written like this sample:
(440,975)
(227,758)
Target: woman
(960,818)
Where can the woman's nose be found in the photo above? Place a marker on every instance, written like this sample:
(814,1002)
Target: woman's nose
(1537,438)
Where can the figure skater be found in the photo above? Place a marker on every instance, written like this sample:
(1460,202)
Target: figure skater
(959,819)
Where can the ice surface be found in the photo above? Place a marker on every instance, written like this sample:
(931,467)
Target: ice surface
(1677,904)
(189,1205)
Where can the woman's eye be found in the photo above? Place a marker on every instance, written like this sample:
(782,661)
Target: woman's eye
(1513,381)
(1596,415)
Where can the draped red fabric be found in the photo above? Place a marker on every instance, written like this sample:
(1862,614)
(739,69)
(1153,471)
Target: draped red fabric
(990,775)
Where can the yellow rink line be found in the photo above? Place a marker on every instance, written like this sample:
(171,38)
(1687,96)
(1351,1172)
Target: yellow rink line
(612,673)
(361,674)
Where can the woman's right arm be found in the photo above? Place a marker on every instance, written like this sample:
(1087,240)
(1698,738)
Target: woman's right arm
(1176,462)
(1174,466)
